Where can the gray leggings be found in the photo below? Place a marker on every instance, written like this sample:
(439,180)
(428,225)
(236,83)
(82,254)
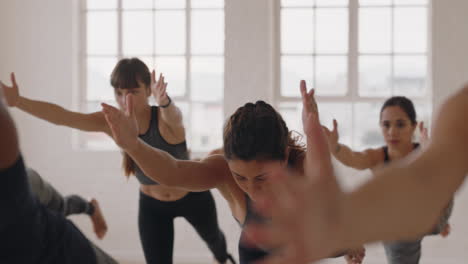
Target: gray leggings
(68,205)
(409,252)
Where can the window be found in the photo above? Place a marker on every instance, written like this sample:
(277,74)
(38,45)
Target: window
(356,53)
(184,39)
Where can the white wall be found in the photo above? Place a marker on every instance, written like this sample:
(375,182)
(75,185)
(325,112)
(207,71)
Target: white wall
(39,44)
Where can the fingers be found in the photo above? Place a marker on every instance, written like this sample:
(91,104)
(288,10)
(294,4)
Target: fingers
(13,79)
(303,88)
(110,114)
(335,125)
(153,76)
(129,105)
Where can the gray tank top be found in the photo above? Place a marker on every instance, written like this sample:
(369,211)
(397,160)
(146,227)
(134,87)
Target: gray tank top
(153,138)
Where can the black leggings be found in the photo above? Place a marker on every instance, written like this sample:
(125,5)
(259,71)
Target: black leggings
(156,225)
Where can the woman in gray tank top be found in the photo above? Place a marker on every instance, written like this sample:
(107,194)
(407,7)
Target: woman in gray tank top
(160,127)
(398,124)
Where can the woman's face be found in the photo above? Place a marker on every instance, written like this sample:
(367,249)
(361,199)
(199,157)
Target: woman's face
(396,126)
(140,96)
(254,177)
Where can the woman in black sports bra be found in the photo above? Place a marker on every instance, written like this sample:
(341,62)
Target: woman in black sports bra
(257,145)
(162,128)
(398,124)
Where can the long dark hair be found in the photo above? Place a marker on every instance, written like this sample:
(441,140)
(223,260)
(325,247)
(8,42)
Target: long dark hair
(128,74)
(258,132)
(404,103)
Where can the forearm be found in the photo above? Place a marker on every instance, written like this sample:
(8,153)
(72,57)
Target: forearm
(171,114)
(166,170)
(348,157)
(43,110)
(55,114)
(400,202)
(156,164)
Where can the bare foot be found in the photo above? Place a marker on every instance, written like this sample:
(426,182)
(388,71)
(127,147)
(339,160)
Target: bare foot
(99,223)
(446,231)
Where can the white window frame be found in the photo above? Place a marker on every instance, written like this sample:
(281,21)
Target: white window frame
(79,140)
(352,95)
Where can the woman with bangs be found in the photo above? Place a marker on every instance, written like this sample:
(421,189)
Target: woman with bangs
(161,127)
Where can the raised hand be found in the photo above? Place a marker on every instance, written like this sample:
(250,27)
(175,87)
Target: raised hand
(124,125)
(309,105)
(158,89)
(11,93)
(423,134)
(332,136)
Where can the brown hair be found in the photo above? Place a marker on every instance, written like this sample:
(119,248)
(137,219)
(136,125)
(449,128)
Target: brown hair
(258,132)
(128,74)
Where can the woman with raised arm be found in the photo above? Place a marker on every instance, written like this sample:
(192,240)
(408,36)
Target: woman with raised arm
(162,128)
(398,123)
(418,187)
(257,144)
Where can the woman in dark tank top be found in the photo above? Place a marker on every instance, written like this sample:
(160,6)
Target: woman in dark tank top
(162,128)
(398,124)
(257,144)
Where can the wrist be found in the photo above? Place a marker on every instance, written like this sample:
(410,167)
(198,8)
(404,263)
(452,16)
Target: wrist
(133,147)
(19,102)
(337,148)
(169,101)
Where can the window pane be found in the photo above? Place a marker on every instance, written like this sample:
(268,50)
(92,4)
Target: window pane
(375,76)
(375,30)
(342,112)
(366,131)
(332,2)
(331,75)
(161,4)
(129,4)
(207,79)
(206,126)
(207,3)
(410,29)
(292,115)
(208,32)
(410,75)
(174,70)
(170,39)
(375,2)
(292,3)
(98,78)
(134,41)
(294,40)
(101,31)
(332,30)
(293,70)
(101,4)
(410,2)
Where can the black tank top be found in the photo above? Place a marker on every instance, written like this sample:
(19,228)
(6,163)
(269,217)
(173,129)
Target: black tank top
(248,255)
(153,138)
(387,157)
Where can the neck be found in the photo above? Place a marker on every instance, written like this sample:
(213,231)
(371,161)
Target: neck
(400,151)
